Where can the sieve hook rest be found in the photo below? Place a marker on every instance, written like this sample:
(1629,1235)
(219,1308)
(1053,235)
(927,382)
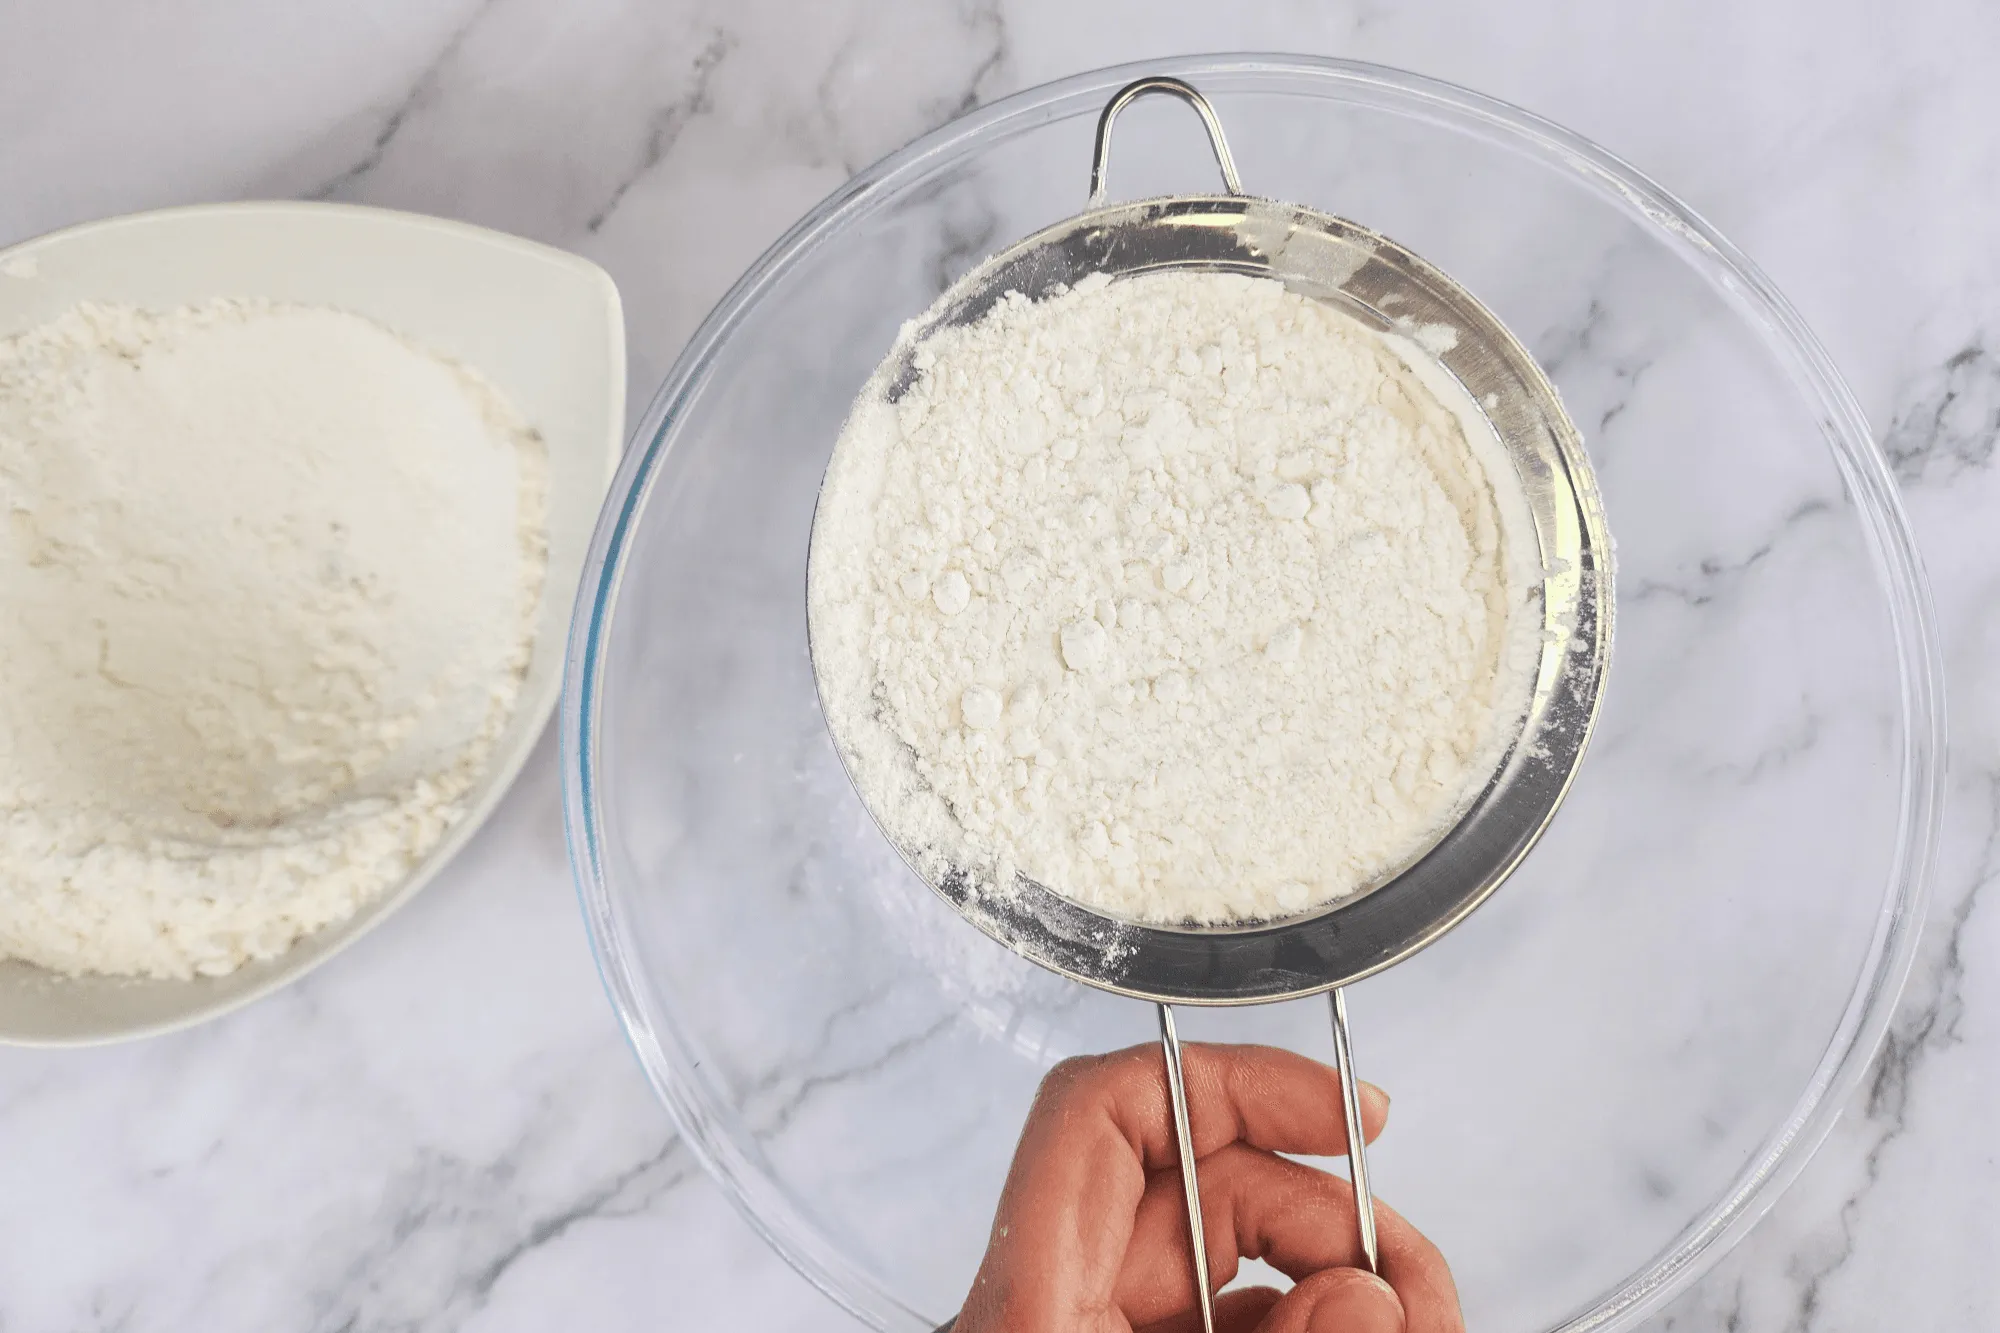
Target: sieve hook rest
(1100,158)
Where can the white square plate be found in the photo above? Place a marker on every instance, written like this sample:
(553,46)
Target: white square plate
(543,325)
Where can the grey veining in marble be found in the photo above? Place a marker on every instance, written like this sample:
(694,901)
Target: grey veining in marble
(443,1129)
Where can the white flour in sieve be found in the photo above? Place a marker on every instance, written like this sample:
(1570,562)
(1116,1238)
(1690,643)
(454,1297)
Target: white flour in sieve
(268,577)
(1183,595)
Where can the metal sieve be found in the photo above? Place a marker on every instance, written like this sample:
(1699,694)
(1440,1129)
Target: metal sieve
(1387,287)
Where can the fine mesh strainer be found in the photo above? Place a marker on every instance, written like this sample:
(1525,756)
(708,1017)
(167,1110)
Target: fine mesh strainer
(1379,282)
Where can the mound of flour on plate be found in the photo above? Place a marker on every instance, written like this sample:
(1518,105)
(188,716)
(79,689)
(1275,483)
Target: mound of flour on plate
(1183,595)
(268,577)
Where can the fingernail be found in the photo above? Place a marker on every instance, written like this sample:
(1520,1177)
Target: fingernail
(1380,1095)
(1361,1303)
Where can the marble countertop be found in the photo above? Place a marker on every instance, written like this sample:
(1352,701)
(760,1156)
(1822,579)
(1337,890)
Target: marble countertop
(443,1129)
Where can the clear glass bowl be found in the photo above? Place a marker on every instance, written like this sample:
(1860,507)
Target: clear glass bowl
(1609,1071)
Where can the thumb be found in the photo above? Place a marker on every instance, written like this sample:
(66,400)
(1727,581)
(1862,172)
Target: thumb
(1337,1300)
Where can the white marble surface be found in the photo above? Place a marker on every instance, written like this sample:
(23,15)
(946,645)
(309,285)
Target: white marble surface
(443,1129)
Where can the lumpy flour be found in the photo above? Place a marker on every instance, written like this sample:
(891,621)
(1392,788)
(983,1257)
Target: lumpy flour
(1183,595)
(267,583)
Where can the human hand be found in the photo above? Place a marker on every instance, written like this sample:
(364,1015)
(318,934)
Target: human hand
(1091,1233)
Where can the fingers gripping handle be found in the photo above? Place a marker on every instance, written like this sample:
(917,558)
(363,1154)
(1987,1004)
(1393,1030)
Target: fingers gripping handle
(1170,1045)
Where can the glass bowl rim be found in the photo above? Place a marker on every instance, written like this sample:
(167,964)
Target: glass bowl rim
(664,1053)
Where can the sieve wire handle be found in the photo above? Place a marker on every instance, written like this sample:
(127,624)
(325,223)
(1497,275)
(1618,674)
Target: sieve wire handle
(1357,1149)
(1170,1045)
(1100,158)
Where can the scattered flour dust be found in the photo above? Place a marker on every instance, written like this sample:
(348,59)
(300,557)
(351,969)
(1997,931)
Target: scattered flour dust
(267,583)
(1183,595)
